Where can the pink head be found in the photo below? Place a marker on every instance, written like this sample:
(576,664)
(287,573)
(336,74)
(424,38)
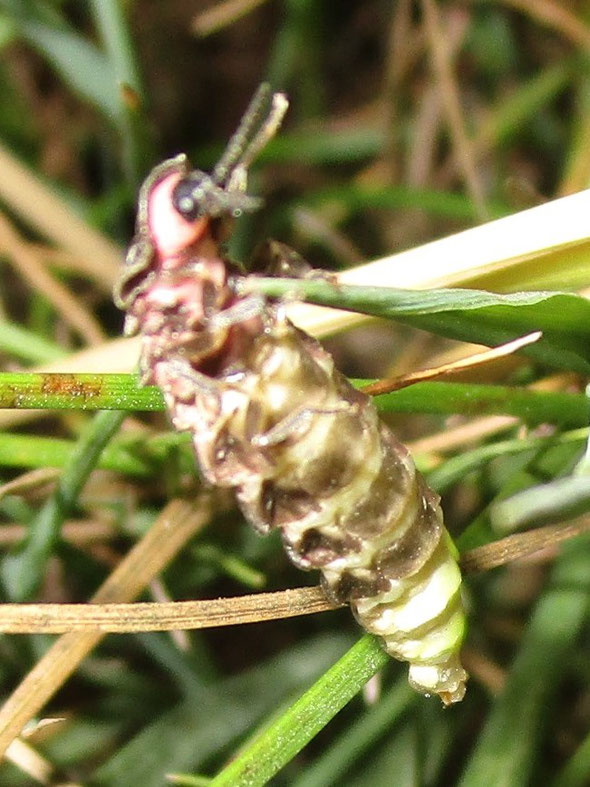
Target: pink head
(177,205)
(170,232)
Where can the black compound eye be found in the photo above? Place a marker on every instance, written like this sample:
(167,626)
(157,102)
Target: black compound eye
(189,197)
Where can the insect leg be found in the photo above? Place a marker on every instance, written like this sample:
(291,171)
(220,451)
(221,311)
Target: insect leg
(179,373)
(297,422)
(273,258)
(242,311)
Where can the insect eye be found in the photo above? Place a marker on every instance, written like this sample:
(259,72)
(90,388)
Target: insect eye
(190,195)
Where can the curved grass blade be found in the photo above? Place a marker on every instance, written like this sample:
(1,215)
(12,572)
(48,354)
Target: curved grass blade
(27,345)
(467,315)
(456,468)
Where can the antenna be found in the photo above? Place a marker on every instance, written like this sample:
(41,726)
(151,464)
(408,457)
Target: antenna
(251,135)
(278,107)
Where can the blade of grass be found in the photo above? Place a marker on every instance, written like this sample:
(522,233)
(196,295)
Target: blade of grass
(80,63)
(56,219)
(27,346)
(24,390)
(67,305)
(468,315)
(110,19)
(275,747)
(577,771)
(514,110)
(543,247)
(554,15)
(296,61)
(78,391)
(400,756)
(560,499)
(359,737)
(222,15)
(444,74)
(31,451)
(454,469)
(532,407)
(355,198)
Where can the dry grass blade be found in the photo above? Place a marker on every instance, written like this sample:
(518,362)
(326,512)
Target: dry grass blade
(520,545)
(452,104)
(403,48)
(27,263)
(470,362)
(30,762)
(83,533)
(484,670)
(557,17)
(178,522)
(104,616)
(577,174)
(32,480)
(221,15)
(99,258)
(465,434)
(162,616)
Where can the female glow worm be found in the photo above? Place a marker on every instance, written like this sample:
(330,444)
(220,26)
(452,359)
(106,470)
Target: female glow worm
(271,417)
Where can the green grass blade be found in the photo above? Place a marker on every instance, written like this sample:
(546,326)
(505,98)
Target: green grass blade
(277,745)
(362,734)
(356,198)
(577,771)
(80,64)
(456,468)
(59,391)
(111,21)
(31,390)
(204,723)
(531,96)
(26,345)
(467,315)
(532,407)
(31,451)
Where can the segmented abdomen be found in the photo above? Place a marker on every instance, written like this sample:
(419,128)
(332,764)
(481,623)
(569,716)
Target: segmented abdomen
(306,453)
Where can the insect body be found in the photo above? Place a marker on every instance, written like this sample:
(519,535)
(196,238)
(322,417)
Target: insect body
(272,418)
